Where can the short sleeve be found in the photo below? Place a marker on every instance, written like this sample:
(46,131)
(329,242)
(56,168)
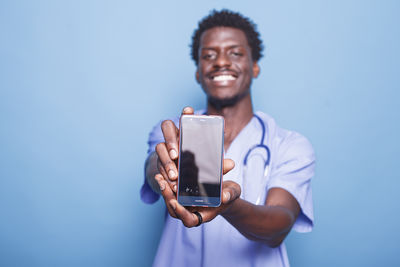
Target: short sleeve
(293,169)
(146,193)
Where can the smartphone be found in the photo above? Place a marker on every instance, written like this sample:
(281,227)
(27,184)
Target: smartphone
(201,152)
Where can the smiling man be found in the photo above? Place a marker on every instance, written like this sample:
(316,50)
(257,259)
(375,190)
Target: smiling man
(267,193)
(230,82)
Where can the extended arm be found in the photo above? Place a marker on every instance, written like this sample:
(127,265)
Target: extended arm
(269,223)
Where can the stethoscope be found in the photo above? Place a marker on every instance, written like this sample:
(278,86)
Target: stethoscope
(250,153)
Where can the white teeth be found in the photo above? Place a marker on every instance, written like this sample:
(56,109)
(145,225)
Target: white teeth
(224,78)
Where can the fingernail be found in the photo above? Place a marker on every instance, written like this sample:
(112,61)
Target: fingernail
(171,174)
(175,188)
(173,205)
(227,196)
(173,154)
(162,185)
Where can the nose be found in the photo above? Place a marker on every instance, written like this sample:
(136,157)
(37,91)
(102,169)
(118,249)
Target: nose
(222,60)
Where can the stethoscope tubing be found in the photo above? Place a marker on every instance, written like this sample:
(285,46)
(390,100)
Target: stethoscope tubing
(261,144)
(267,161)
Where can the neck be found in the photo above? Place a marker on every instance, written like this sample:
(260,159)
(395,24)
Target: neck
(236,117)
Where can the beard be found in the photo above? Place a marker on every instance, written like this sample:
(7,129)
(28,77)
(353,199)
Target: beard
(220,103)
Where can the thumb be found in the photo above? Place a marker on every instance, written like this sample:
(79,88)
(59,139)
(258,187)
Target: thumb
(187,111)
(228,165)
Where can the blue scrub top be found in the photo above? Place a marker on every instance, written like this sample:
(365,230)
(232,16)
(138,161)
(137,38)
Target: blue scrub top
(218,243)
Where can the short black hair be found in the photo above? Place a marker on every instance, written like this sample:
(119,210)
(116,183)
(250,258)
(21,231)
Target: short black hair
(227,18)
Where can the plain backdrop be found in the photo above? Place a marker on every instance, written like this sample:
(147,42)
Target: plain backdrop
(83,82)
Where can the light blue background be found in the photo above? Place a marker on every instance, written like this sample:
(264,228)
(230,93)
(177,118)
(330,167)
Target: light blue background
(83,82)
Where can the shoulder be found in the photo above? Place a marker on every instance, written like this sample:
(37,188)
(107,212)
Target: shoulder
(287,143)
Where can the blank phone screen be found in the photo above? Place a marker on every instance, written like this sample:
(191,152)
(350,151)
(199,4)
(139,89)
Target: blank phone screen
(201,151)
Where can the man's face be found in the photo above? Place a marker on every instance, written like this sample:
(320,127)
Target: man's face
(225,68)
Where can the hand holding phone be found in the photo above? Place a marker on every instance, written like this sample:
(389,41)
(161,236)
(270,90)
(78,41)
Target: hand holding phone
(165,163)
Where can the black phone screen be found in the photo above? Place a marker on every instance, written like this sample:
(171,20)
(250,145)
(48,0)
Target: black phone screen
(200,161)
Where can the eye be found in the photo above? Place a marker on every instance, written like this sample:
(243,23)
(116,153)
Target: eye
(236,53)
(208,56)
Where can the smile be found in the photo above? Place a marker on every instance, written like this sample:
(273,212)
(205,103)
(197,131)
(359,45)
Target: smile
(222,78)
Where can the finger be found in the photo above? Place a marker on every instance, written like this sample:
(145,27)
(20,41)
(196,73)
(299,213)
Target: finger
(166,193)
(166,161)
(187,111)
(228,165)
(170,133)
(163,172)
(230,192)
(161,169)
(226,196)
(188,218)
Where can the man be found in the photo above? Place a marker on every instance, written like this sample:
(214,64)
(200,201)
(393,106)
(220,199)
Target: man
(262,199)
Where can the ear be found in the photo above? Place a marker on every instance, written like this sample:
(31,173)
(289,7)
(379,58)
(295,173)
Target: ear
(197,76)
(256,70)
